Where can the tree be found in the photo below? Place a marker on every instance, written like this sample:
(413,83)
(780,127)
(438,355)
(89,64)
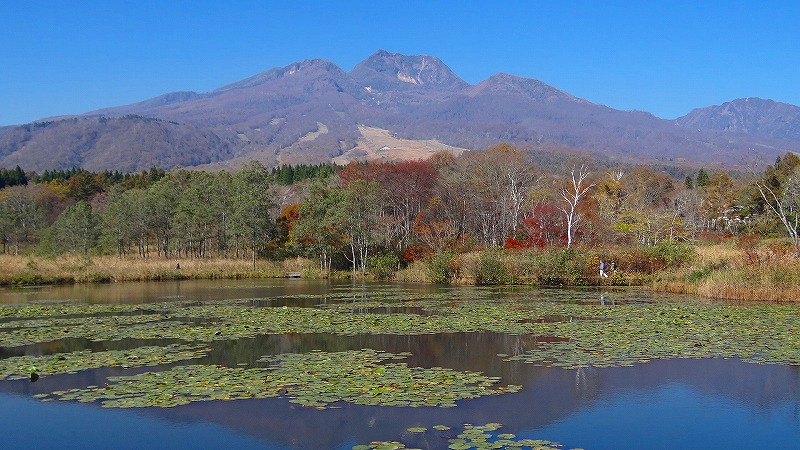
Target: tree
(162,201)
(359,216)
(194,217)
(316,229)
(406,188)
(125,222)
(75,230)
(785,205)
(572,194)
(252,205)
(24,214)
(702,178)
(720,194)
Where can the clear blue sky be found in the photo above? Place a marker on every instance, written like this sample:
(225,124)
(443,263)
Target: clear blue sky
(70,57)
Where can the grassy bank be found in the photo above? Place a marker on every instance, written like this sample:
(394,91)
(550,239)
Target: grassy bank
(28,270)
(766,272)
(548,267)
(743,271)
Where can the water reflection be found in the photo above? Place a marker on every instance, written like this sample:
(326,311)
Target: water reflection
(679,403)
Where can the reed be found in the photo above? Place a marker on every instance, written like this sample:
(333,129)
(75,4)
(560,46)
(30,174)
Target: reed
(768,271)
(17,270)
(416,272)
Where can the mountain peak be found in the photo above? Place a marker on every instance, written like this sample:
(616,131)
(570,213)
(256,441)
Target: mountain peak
(753,115)
(506,84)
(315,67)
(385,71)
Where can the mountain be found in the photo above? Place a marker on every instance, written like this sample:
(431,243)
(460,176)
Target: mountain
(128,143)
(389,106)
(753,116)
(393,80)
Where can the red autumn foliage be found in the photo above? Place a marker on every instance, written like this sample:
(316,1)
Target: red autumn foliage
(414,253)
(513,244)
(544,226)
(288,215)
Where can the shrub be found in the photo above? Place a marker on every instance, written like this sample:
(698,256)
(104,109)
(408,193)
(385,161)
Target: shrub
(383,267)
(649,259)
(675,254)
(490,270)
(558,267)
(439,268)
(699,274)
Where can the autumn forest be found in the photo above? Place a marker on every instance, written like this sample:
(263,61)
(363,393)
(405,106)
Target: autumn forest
(490,217)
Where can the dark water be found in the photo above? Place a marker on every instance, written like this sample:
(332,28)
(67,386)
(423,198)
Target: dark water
(713,403)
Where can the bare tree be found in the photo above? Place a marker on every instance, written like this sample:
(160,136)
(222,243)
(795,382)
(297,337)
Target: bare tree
(572,194)
(785,206)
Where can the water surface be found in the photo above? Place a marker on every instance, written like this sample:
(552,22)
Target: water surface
(704,403)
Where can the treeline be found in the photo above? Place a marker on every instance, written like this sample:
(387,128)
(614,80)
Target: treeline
(151,213)
(382,214)
(289,174)
(374,216)
(15,177)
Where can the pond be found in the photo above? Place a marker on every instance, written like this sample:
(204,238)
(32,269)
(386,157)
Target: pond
(314,364)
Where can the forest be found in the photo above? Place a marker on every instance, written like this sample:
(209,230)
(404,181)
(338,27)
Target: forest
(489,217)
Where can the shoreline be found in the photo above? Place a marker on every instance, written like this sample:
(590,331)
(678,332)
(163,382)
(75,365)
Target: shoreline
(714,272)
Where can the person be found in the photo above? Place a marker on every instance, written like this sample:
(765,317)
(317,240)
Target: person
(603,273)
(613,266)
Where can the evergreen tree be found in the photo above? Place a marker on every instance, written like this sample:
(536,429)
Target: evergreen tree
(702,178)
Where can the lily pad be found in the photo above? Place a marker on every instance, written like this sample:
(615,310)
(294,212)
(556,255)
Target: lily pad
(20,367)
(315,379)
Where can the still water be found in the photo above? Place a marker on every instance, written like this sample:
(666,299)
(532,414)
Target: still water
(705,403)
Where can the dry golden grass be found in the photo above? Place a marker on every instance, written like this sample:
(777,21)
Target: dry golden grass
(76,269)
(769,272)
(416,272)
(717,252)
(774,284)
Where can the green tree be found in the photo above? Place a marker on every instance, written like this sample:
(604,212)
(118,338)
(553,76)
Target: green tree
(252,206)
(702,178)
(317,229)
(194,220)
(76,230)
(125,222)
(24,214)
(359,216)
(161,203)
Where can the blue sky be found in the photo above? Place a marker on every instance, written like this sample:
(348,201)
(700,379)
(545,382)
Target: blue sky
(70,57)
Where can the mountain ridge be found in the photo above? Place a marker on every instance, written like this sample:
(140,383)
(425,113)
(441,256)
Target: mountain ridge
(313,111)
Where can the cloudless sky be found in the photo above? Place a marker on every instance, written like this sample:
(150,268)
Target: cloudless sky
(664,57)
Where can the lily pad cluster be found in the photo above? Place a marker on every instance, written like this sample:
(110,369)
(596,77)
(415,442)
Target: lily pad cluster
(576,334)
(757,334)
(480,437)
(20,367)
(316,379)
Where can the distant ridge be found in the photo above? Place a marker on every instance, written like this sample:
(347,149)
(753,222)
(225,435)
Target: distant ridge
(313,111)
(753,116)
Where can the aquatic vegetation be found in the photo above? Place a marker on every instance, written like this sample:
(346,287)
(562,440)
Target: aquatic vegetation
(19,367)
(586,334)
(759,334)
(481,437)
(62,309)
(315,379)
